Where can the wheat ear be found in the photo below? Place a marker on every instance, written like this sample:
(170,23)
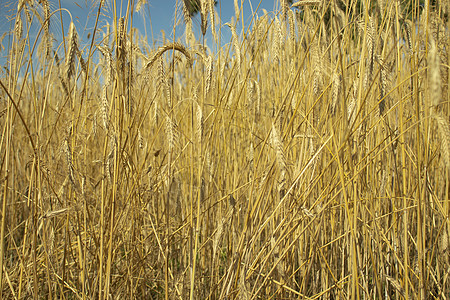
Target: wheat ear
(212,18)
(306,3)
(434,75)
(237,50)
(199,124)
(444,132)
(70,58)
(281,158)
(171,46)
(209,73)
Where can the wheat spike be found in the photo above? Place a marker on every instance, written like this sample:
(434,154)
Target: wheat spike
(277,145)
(212,18)
(315,62)
(20,5)
(307,212)
(187,11)
(444,241)
(55,213)
(335,91)
(383,87)
(407,32)
(276,39)
(209,165)
(51,240)
(3,112)
(444,131)
(370,41)
(73,44)
(140,140)
(291,19)
(171,133)
(18,29)
(396,285)
(163,82)
(199,124)
(121,45)
(237,10)
(306,3)
(444,6)
(155,113)
(351,106)
(251,153)
(82,62)
(104,107)
(189,34)
(46,39)
(68,154)
(237,50)
(382,7)
(209,73)
(171,46)
(204,16)
(108,64)
(284,9)
(258,98)
(140,4)
(434,75)
(218,236)
(281,158)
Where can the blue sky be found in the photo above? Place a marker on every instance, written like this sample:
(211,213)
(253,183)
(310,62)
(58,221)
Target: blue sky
(156,15)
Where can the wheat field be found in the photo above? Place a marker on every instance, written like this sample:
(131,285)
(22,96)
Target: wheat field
(307,157)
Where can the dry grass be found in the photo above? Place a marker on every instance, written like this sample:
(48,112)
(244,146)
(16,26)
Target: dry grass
(306,158)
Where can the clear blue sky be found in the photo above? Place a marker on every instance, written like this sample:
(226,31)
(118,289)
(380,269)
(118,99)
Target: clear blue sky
(156,14)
